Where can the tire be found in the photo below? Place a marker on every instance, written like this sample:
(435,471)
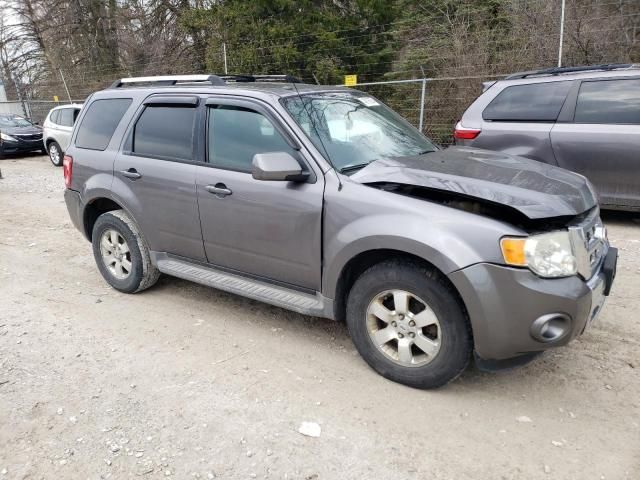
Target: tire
(128,267)
(55,154)
(449,339)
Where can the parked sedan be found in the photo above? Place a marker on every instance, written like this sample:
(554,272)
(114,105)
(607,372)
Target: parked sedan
(57,131)
(584,119)
(18,135)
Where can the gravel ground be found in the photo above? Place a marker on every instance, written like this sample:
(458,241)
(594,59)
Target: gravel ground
(188,382)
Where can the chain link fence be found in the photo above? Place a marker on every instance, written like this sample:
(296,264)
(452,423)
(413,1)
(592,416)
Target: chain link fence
(433,105)
(35,110)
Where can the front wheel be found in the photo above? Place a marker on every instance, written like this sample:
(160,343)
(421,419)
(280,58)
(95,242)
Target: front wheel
(55,154)
(409,325)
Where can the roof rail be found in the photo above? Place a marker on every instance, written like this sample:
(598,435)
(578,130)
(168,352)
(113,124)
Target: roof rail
(559,70)
(261,78)
(169,80)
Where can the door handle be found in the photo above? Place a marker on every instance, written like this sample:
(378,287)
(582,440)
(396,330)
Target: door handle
(219,190)
(132,173)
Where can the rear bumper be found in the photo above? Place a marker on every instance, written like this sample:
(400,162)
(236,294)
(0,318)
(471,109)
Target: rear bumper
(505,306)
(75,208)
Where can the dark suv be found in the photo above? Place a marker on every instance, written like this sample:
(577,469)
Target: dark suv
(585,119)
(324,201)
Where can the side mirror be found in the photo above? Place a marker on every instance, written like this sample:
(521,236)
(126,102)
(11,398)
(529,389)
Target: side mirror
(277,166)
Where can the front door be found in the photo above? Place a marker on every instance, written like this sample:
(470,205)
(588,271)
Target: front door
(155,176)
(269,229)
(603,141)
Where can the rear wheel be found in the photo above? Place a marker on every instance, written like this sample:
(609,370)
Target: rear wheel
(409,325)
(55,154)
(121,253)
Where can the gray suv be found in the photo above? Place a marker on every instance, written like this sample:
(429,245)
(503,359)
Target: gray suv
(585,119)
(324,201)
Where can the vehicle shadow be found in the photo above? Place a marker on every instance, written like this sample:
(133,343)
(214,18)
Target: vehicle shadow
(619,217)
(335,335)
(22,156)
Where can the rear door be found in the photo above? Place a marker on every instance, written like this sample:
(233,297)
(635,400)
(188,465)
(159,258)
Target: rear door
(65,120)
(519,120)
(154,174)
(269,229)
(602,139)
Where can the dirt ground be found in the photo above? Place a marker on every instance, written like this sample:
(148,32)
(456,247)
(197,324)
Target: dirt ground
(185,381)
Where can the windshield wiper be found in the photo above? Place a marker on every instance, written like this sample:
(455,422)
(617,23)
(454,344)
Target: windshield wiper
(355,166)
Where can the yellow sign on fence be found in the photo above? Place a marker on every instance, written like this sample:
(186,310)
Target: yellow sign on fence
(55,98)
(350,80)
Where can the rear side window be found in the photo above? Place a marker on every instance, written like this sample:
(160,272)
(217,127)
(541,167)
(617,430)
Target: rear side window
(165,132)
(609,101)
(236,134)
(54,116)
(536,102)
(66,117)
(100,121)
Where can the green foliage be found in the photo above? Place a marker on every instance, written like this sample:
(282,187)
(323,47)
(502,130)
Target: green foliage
(327,39)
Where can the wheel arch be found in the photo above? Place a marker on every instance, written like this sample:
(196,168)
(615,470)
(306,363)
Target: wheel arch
(360,262)
(94,209)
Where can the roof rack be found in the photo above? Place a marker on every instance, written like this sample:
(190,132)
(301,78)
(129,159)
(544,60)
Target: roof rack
(169,80)
(559,70)
(261,78)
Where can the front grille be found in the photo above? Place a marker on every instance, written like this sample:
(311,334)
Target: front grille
(589,238)
(29,137)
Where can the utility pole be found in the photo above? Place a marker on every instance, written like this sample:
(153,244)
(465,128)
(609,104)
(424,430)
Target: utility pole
(561,34)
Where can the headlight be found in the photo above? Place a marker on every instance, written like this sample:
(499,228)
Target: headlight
(4,136)
(548,254)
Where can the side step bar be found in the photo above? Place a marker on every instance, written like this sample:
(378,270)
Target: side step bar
(304,303)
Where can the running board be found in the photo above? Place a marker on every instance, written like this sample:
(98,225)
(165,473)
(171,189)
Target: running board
(304,303)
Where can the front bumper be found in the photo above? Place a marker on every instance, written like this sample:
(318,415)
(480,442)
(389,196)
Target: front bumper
(10,147)
(503,303)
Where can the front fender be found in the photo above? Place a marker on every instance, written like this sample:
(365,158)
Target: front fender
(359,219)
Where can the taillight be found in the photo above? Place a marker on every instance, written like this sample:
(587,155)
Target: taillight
(67,170)
(462,133)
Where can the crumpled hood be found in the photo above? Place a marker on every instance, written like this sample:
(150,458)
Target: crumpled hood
(537,190)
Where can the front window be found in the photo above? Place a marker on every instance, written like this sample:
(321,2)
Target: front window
(236,134)
(353,130)
(9,121)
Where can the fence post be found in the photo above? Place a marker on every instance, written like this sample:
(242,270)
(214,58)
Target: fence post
(424,89)
(561,34)
(65,85)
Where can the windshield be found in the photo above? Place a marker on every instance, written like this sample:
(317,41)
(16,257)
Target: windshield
(13,121)
(353,130)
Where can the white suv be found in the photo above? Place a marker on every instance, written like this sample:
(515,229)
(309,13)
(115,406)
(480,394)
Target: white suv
(57,130)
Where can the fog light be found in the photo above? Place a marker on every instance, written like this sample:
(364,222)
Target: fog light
(551,327)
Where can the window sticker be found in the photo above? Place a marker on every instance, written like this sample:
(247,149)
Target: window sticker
(368,101)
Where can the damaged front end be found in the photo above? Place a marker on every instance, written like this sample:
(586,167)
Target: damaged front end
(479,206)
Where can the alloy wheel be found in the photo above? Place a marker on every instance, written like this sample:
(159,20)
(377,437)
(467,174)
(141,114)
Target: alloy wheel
(54,154)
(404,328)
(115,254)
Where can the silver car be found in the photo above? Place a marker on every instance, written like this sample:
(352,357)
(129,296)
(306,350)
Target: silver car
(585,119)
(57,131)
